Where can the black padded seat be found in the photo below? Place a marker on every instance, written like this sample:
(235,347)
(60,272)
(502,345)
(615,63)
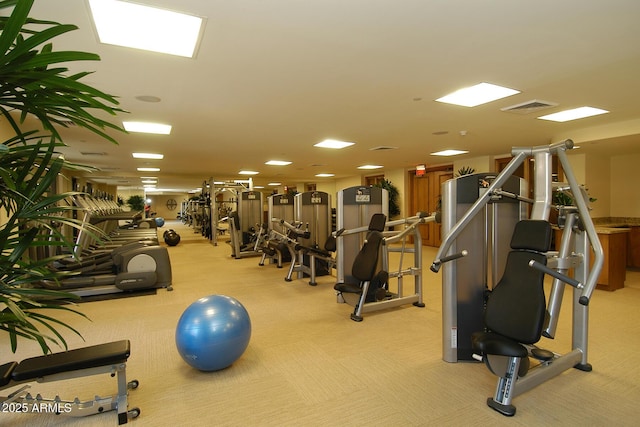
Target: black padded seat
(490,343)
(72,360)
(5,373)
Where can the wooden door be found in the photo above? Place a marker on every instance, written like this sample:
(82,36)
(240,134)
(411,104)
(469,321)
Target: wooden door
(424,196)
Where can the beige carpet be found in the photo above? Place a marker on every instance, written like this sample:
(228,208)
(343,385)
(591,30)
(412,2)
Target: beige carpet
(308,365)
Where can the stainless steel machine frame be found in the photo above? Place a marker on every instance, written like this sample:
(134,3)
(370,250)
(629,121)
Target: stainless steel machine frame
(486,238)
(354,209)
(578,239)
(313,210)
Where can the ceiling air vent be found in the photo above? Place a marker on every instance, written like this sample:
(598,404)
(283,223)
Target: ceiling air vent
(382,148)
(93,153)
(529,107)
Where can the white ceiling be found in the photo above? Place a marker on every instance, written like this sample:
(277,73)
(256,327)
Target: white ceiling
(272,78)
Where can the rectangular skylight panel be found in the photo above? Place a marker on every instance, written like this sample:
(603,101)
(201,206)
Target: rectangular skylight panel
(477,95)
(573,114)
(142,27)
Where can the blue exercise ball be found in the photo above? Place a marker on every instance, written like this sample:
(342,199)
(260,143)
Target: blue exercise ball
(213,332)
(159,221)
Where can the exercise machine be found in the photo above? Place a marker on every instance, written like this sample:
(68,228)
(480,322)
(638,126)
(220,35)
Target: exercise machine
(116,265)
(368,292)
(245,225)
(313,209)
(507,353)
(354,208)
(109,358)
(486,237)
(274,246)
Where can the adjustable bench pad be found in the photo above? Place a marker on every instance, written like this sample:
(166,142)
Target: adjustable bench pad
(5,373)
(72,360)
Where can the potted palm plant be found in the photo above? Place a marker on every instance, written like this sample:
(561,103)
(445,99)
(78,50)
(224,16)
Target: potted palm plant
(34,83)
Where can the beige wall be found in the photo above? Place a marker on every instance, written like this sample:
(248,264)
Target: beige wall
(159,204)
(398,177)
(479,164)
(625,196)
(598,184)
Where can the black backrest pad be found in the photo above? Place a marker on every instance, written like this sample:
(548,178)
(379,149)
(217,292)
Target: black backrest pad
(233,216)
(516,307)
(330,244)
(365,263)
(377,222)
(5,372)
(532,234)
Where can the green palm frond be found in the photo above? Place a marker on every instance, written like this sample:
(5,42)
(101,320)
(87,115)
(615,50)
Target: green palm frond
(34,83)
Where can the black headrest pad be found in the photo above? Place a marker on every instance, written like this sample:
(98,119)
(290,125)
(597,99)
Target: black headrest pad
(532,234)
(377,222)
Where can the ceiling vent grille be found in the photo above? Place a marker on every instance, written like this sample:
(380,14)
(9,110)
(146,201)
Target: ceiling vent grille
(382,148)
(529,107)
(93,153)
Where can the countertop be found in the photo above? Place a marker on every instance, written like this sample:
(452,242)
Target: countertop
(612,230)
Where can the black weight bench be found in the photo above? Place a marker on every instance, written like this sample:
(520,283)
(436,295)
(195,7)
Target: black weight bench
(108,358)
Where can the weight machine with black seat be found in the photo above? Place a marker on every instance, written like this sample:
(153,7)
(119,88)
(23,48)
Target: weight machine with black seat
(505,336)
(246,229)
(354,208)
(313,210)
(371,291)
(109,358)
(274,245)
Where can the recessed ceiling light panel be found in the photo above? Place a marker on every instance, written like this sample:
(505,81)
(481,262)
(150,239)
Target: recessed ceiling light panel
(325,175)
(333,143)
(148,169)
(277,163)
(152,156)
(137,26)
(370,167)
(477,95)
(574,114)
(449,153)
(247,172)
(146,127)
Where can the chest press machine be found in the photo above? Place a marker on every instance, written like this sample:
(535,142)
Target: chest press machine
(367,286)
(515,311)
(109,358)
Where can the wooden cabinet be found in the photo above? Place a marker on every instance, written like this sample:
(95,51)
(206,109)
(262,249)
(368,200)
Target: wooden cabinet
(633,247)
(614,246)
(613,274)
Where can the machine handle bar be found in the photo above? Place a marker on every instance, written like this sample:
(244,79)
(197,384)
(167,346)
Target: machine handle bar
(435,266)
(566,279)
